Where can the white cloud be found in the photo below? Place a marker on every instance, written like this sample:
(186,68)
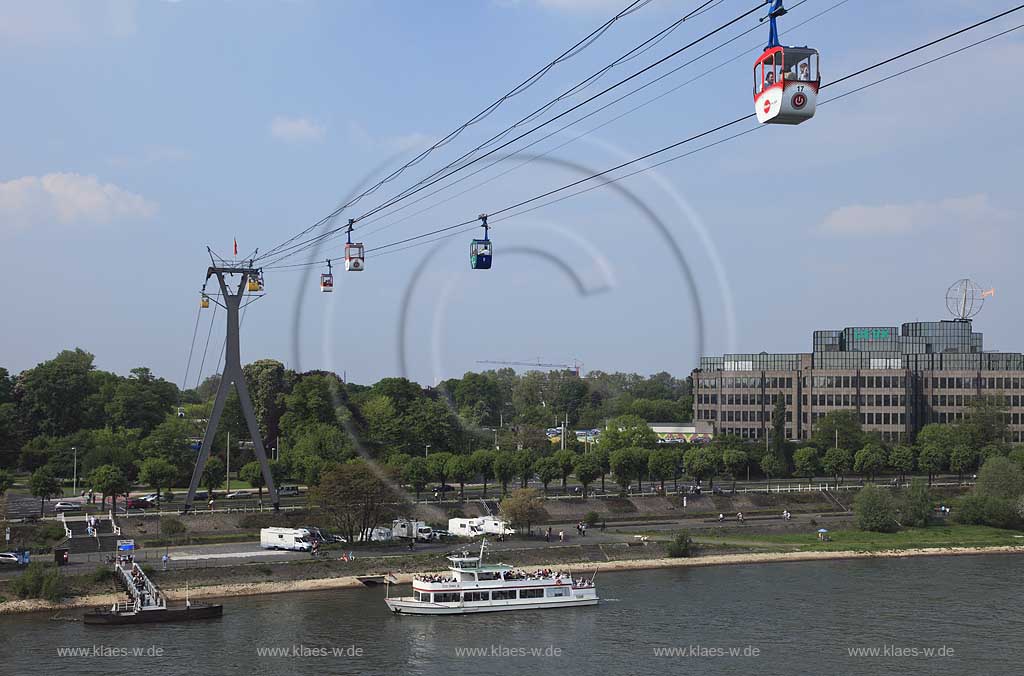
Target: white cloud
(68,199)
(888,219)
(296,129)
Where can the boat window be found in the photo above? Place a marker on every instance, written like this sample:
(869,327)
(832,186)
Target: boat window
(488,576)
(423,596)
(558,591)
(476,596)
(503,594)
(447,598)
(531,593)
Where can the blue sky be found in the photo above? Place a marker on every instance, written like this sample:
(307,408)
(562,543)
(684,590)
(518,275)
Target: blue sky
(137,133)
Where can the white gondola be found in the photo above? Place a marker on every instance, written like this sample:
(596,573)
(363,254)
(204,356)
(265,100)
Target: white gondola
(786,79)
(327,279)
(355,254)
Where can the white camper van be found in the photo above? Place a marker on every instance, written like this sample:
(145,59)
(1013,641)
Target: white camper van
(292,539)
(419,530)
(483,525)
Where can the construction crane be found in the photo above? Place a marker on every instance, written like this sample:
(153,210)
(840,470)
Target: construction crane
(576,364)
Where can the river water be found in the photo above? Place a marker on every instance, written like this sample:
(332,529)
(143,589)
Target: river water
(929,615)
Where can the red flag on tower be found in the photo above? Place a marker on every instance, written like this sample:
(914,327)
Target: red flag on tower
(236,246)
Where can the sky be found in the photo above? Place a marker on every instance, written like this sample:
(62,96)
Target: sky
(136,134)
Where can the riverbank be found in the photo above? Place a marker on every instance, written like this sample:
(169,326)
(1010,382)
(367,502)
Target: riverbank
(351,581)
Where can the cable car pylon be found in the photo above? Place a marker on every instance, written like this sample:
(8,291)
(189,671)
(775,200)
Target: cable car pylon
(232,374)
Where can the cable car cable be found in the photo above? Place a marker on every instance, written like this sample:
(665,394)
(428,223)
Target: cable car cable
(213,317)
(433,178)
(580,119)
(191,349)
(717,128)
(581,45)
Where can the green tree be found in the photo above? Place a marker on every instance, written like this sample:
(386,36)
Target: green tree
(628,431)
(566,459)
(838,428)
(661,465)
(523,508)
(837,463)
(629,464)
(483,464)
(252,474)
(158,474)
(268,382)
(917,509)
(702,462)
(984,422)
(1017,455)
(312,400)
(109,480)
(54,393)
(603,458)
(6,481)
(547,470)
(734,461)
(43,485)
(1000,478)
(963,458)
(771,466)
(869,461)
(525,460)
(461,469)
(353,499)
(437,463)
(681,546)
(141,401)
(588,469)
(901,459)
(934,443)
(417,474)
(875,509)
(504,468)
(805,461)
(213,475)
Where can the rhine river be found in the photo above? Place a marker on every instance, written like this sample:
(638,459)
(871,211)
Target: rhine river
(929,615)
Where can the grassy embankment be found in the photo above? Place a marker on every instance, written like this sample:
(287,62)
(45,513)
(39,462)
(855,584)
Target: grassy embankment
(864,541)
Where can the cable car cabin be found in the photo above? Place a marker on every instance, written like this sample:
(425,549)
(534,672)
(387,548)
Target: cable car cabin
(480,253)
(355,258)
(786,82)
(327,282)
(254,285)
(204,301)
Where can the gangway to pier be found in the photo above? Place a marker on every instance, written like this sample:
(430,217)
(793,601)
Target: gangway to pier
(143,594)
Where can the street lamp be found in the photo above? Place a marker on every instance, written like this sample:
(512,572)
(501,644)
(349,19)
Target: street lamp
(74,490)
(426,450)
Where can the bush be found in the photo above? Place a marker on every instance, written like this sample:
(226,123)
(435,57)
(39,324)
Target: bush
(681,546)
(875,510)
(986,510)
(917,508)
(1000,478)
(591,519)
(39,582)
(171,525)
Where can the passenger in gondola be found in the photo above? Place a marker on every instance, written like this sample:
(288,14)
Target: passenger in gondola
(804,72)
(769,79)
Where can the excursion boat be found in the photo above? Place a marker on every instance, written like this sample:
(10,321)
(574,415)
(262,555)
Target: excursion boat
(473,587)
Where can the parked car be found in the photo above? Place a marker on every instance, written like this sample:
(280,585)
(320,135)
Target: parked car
(139,503)
(443,534)
(234,495)
(65,506)
(8,557)
(151,497)
(443,487)
(287,490)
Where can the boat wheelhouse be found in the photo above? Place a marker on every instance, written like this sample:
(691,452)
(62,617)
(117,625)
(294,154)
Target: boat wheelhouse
(471,586)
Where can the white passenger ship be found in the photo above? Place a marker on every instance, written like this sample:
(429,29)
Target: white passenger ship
(472,587)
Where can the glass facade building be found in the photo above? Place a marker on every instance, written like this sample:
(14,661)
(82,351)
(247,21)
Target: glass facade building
(898,379)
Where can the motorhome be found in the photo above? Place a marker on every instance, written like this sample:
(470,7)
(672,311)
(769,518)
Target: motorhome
(419,530)
(483,525)
(293,539)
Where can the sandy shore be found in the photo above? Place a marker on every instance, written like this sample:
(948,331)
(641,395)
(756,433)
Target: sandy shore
(254,588)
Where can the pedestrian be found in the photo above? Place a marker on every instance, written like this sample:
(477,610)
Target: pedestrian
(165,558)
(583,529)
(547,535)
(721,517)
(603,525)
(561,536)
(210,504)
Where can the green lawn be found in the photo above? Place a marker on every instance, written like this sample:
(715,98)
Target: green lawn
(909,538)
